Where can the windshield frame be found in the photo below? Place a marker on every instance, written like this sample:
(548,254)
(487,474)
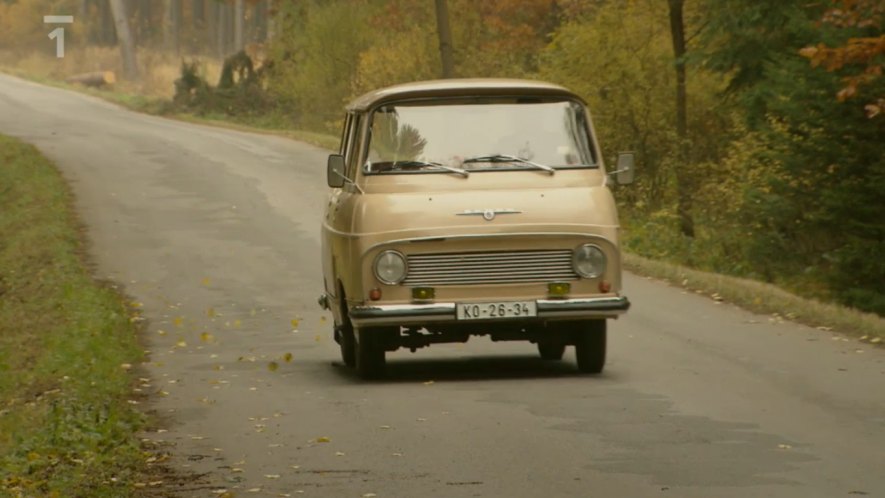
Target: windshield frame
(583,117)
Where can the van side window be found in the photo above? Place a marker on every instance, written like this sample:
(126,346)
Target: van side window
(345,132)
(350,156)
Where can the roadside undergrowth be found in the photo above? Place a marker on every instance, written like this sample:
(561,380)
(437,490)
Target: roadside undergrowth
(764,298)
(67,344)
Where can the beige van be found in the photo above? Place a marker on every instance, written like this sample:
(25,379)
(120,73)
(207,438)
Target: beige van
(471,207)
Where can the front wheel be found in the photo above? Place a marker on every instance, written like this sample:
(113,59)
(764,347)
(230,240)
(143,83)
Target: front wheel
(551,351)
(370,353)
(348,345)
(590,346)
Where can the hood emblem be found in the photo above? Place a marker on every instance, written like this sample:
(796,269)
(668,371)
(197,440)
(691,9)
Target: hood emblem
(488,214)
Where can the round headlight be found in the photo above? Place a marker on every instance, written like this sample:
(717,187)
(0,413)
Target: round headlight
(390,267)
(589,261)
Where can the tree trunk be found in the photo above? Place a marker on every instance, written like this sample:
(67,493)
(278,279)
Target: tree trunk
(221,30)
(269,21)
(144,29)
(107,34)
(445,39)
(124,35)
(171,24)
(259,33)
(94,79)
(239,19)
(198,14)
(683,189)
(271,12)
(212,21)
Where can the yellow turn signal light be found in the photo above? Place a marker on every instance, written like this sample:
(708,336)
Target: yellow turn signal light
(559,289)
(423,293)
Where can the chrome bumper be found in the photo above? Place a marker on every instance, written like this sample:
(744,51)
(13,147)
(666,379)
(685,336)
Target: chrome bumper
(418,314)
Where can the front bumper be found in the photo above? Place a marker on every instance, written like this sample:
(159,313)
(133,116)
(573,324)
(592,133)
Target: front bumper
(420,314)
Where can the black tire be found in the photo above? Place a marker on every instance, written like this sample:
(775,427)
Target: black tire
(347,343)
(346,340)
(370,354)
(551,351)
(590,346)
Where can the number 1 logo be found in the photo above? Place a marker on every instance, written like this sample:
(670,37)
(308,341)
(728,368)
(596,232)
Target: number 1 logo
(58,34)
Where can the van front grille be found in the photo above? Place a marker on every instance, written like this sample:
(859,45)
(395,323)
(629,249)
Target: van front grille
(477,268)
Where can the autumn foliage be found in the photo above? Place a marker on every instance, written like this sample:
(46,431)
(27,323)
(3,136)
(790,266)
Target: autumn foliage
(862,57)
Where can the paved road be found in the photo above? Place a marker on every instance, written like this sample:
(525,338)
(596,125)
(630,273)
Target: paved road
(216,233)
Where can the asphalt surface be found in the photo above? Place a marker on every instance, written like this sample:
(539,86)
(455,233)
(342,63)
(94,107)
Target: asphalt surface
(216,233)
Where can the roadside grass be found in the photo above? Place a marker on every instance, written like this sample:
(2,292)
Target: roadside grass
(764,298)
(66,342)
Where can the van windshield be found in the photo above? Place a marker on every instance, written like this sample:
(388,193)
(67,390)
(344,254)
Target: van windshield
(478,135)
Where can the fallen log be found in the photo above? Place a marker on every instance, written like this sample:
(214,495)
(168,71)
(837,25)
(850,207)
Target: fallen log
(93,79)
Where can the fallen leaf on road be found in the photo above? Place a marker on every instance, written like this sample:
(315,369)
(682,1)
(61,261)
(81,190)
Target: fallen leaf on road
(339,453)
(211,313)
(287,357)
(322,319)
(875,340)
(207,337)
(369,495)
(294,323)
(384,427)
(178,321)
(429,382)
(181,344)
(205,281)
(323,439)
(236,470)
(161,332)
(784,446)
(272,366)
(237,323)
(253,490)
(272,476)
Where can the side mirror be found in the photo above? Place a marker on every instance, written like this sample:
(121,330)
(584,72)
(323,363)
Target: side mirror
(625,168)
(335,171)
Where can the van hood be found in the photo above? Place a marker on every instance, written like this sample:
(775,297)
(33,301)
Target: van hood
(418,214)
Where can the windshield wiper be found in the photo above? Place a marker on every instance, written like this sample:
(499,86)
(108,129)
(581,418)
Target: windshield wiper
(503,158)
(459,171)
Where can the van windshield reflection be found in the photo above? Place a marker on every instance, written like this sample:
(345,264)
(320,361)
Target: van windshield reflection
(485,136)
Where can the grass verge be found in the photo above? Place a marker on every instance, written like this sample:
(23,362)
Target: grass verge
(764,298)
(66,342)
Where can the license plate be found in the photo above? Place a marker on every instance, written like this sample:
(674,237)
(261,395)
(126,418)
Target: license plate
(487,311)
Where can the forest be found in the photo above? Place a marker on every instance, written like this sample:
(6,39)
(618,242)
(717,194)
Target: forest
(759,126)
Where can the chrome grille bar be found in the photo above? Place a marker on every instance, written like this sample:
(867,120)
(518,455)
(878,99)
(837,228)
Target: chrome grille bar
(500,267)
